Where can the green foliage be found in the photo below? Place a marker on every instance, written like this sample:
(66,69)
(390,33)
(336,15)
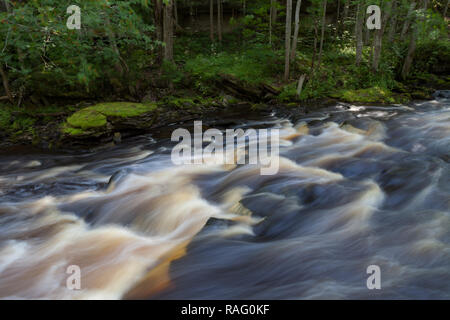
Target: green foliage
(255,65)
(40,51)
(5,118)
(171,73)
(433,56)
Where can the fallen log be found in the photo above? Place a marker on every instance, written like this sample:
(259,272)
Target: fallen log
(243,90)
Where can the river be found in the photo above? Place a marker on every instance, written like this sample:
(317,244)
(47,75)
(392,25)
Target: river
(357,186)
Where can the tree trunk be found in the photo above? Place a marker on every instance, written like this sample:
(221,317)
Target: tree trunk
(300,85)
(393,22)
(446,8)
(345,14)
(113,45)
(175,14)
(316,35)
(323,31)
(378,39)
(6,2)
(410,55)
(288,39)
(412,45)
(211,19)
(337,17)
(274,14)
(270,22)
(219,19)
(338,11)
(6,84)
(407,20)
(297,27)
(168,30)
(158,21)
(359,32)
(366,36)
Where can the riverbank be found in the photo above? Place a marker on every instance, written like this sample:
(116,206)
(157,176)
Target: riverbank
(89,124)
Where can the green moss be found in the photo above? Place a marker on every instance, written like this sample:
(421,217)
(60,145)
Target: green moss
(66,129)
(188,102)
(23,124)
(122,109)
(87,118)
(181,102)
(96,117)
(369,95)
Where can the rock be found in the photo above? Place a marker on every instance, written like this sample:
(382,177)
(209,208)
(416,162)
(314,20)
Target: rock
(442,94)
(149,97)
(103,119)
(229,100)
(117,177)
(117,137)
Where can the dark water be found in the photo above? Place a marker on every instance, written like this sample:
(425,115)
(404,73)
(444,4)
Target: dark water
(357,186)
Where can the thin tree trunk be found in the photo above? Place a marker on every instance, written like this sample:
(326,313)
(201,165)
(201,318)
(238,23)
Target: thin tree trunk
(274,15)
(211,19)
(175,13)
(412,45)
(378,39)
(393,22)
(297,27)
(346,10)
(113,45)
(6,84)
(316,36)
(300,85)
(270,22)
(323,31)
(158,21)
(6,5)
(337,17)
(168,30)
(359,33)
(446,8)
(288,39)
(366,36)
(219,19)
(338,11)
(407,20)
(3,73)
(410,55)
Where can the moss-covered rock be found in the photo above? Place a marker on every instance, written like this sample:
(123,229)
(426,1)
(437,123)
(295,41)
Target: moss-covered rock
(101,119)
(371,95)
(122,109)
(87,119)
(187,103)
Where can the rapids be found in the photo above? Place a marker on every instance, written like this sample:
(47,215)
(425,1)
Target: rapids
(357,186)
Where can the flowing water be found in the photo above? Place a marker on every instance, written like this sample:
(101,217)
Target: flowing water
(357,186)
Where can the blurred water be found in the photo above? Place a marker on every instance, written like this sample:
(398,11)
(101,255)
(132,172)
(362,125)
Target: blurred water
(357,186)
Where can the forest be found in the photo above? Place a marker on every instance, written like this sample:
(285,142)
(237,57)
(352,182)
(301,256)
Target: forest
(224,150)
(191,53)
